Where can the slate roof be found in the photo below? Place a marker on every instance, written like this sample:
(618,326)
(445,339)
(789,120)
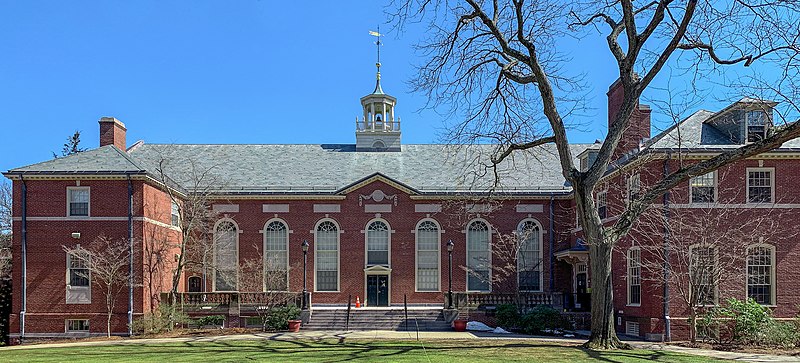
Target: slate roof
(106,159)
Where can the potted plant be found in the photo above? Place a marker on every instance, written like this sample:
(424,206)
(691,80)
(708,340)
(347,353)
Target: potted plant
(294,325)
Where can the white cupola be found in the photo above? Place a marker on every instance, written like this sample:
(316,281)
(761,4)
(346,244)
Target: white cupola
(378,129)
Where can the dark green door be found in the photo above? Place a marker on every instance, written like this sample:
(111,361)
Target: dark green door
(377,290)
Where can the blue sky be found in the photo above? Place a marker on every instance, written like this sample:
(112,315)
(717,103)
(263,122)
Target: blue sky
(214,72)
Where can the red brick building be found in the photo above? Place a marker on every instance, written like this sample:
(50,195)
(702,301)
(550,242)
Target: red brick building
(377,215)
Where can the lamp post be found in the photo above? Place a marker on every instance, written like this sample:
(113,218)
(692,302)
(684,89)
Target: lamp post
(305,278)
(450,274)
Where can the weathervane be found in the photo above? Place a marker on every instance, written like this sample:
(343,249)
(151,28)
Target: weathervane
(378,34)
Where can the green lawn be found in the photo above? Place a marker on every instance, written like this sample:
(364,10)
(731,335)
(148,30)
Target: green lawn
(335,351)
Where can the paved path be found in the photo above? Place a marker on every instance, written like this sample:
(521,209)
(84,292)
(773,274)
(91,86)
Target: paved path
(398,335)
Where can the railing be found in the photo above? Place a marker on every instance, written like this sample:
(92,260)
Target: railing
(199,299)
(523,299)
(387,125)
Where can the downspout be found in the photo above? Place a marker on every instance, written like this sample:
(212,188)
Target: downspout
(24,243)
(130,258)
(666,252)
(552,242)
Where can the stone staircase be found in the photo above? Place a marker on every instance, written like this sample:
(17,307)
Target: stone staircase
(377,319)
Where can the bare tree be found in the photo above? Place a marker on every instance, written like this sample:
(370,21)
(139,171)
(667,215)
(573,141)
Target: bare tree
(501,68)
(264,281)
(5,228)
(106,261)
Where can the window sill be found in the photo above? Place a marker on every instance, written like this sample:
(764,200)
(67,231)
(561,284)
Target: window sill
(634,305)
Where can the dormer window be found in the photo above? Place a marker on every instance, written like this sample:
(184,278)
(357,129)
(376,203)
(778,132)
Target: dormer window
(757,123)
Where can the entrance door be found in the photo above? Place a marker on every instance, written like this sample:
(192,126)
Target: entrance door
(582,294)
(195,284)
(378,290)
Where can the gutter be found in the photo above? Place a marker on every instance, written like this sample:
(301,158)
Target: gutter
(667,234)
(24,242)
(130,258)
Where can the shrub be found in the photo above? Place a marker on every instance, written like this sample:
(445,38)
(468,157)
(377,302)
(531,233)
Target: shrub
(542,320)
(780,334)
(508,316)
(278,318)
(748,319)
(165,318)
(211,320)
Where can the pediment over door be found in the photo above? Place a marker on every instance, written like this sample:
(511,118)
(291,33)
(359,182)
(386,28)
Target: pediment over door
(377,270)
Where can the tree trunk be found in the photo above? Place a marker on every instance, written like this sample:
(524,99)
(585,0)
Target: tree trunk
(109,311)
(603,335)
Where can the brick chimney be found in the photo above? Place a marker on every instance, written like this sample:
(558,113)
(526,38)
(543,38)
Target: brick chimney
(638,129)
(112,132)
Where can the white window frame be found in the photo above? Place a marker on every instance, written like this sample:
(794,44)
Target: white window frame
(489,233)
(389,243)
(715,186)
(438,253)
(88,204)
(767,123)
(338,255)
(630,277)
(214,254)
(286,244)
(602,196)
(715,269)
(771,186)
(634,179)
(540,266)
(174,214)
(773,281)
(87,290)
(67,326)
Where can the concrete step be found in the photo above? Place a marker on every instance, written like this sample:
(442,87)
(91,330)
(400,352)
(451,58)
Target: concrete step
(378,319)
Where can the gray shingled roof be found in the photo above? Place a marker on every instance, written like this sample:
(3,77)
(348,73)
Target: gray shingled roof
(328,168)
(106,159)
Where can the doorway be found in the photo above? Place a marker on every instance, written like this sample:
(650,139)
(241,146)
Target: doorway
(377,290)
(195,284)
(582,298)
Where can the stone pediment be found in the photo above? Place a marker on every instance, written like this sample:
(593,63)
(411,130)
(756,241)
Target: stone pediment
(377,269)
(378,177)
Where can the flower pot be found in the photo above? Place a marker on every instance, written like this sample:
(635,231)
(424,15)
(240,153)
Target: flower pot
(460,325)
(294,326)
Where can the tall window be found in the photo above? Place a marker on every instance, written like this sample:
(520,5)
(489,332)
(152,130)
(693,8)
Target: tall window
(175,216)
(529,258)
(703,274)
(634,186)
(327,256)
(428,256)
(78,271)
(602,206)
(276,256)
(377,243)
(703,188)
(478,257)
(634,276)
(760,274)
(226,256)
(759,185)
(78,201)
(757,123)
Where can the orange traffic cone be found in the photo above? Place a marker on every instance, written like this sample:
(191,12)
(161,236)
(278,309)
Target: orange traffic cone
(358,302)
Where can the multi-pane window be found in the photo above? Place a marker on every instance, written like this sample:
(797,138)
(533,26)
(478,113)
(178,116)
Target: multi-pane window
(78,271)
(78,201)
(634,276)
(760,266)
(77,325)
(703,274)
(634,186)
(757,123)
(226,257)
(327,256)
(428,256)
(703,188)
(478,257)
(759,186)
(602,205)
(529,258)
(377,243)
(276,256)
(175,216)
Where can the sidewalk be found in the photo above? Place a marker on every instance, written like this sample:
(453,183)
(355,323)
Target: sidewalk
(402,335)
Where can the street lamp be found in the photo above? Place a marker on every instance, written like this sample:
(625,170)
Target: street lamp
(305,262)
(450,246)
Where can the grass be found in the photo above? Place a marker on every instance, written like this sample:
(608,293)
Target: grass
(342,351)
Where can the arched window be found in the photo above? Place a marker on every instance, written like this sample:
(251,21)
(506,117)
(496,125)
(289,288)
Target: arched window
(226,256)
(761,274)
(428,238)
(377,244)
(327,256)
(378,145)
(529,258)
(478,257)
(276,256)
